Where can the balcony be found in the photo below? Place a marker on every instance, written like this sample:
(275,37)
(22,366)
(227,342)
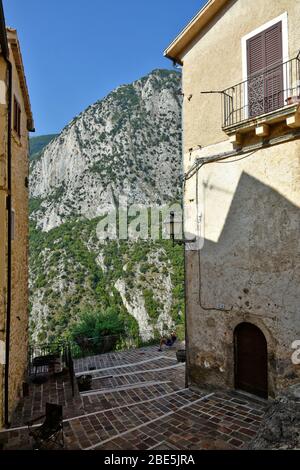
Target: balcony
(265,98)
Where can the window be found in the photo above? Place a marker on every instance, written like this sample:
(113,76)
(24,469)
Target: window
(263,50)
(265,71)
(270,89)
(17,117)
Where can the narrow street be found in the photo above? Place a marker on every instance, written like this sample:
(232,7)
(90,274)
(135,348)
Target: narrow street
(138,401)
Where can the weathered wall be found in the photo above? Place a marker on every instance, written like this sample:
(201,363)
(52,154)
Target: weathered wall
(249,264)
(19,317)
(248,212)
(3,221)
(214,62)
(19,307)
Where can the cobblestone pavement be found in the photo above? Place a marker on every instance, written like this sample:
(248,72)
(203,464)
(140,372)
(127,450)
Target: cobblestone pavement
(138,401)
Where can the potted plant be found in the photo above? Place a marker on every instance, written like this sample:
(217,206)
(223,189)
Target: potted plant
(181,356)
(293,99)
(84,383)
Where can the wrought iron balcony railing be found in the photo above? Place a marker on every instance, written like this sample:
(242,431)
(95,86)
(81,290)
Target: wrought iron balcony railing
(274,88)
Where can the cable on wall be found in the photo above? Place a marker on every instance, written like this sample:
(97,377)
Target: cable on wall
(218,158)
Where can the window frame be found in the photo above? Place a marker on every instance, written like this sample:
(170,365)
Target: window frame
(17,117)
(285,52)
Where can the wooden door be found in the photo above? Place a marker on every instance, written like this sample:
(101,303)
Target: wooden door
(251,360)
(265,71)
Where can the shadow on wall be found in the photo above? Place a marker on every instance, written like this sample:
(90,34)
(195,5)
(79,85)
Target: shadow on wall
(253,274)
(255,263)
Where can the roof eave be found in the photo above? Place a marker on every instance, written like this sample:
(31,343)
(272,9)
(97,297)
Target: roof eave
(3,37)
(173,59)
(16,51)
(177,47)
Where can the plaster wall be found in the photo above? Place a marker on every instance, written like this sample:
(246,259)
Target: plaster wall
(214,62)
(245,209)
(248,268)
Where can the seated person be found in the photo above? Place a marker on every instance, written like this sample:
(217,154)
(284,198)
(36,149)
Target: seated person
(168,341)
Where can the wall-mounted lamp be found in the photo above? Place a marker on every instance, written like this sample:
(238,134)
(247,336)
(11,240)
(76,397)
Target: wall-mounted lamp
(174,228)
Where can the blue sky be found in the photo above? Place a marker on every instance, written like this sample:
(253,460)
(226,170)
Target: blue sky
(77,51)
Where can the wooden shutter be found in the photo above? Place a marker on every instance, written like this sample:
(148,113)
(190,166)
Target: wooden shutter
(273,45)
(255,55)
(19,121)
(17,117)
(274,88)
(265,73)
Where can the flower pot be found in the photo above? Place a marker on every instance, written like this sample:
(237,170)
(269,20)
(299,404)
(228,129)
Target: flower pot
(84,383)
(181,356)
(293,99)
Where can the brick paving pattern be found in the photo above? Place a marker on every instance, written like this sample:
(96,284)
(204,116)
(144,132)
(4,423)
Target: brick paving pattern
(118,358)
(138,401)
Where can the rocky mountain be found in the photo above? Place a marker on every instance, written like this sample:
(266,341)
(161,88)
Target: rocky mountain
(38,143)
(126,147)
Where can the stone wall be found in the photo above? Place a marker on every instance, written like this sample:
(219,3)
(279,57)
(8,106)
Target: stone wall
(19,306)
(19,317)
(3,223)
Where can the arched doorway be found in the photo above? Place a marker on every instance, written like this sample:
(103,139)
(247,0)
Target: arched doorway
(251,360)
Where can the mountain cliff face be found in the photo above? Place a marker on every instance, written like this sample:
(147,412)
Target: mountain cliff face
(126,147)
(38,143)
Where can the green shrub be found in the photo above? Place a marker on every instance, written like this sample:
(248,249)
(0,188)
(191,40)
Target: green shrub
(93,324)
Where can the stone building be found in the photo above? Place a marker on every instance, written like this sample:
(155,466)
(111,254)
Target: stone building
(15,122)
(241,130)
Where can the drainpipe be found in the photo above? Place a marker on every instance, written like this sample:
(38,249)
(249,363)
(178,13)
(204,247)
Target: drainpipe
(9,209)
(186,376)
(186,384)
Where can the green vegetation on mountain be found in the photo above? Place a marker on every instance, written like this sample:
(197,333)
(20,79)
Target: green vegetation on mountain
(67,274)
(37,144)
